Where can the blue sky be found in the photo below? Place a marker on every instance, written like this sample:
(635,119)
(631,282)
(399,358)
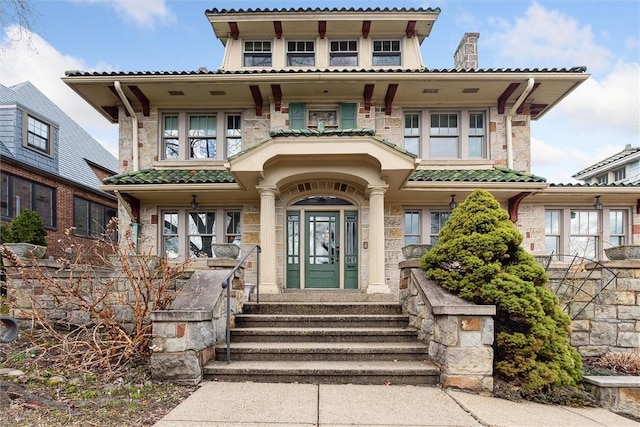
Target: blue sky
(595,121)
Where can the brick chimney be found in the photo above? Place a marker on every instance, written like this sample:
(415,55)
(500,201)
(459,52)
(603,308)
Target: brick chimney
(466,56)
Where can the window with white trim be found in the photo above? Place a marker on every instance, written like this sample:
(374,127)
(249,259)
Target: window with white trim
(619,174)
(584,232)
(343,53)
(386,52)
(191,232)
(447,134)
(603,179)
(301,53)
(194,135)
(257,53)
(423,226)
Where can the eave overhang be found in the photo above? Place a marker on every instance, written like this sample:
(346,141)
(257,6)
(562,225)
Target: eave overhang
(373,87)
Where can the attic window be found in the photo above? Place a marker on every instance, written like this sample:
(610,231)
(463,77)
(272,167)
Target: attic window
(430,90)
(470,90)
(217,92)
(176,93)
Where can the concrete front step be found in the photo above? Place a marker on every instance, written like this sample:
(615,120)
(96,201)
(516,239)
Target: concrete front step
(324,295)
(323,335)
(309,351)
(321,320)
(420,373)
(317,308)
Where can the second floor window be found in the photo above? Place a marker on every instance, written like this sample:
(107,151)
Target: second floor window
(619,174)
(257,53)
(386,52)
(196,136)
(455,135)
(38,135)
(301,54)
(342,116)
(343,53)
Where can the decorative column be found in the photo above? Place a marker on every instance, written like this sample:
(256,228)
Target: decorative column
(377,283)
(268,283)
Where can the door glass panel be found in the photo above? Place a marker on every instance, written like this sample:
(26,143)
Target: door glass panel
(322,239)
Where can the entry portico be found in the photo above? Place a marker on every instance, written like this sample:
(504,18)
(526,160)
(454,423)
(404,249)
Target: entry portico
(349,174)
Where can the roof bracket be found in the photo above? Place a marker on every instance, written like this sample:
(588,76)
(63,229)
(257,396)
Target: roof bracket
(502,99)
(257,98)
(322,28)
(277,96)
(410,30)
(366,27)
(514,203)
(277,26)
(235,32)
(388,98)
(142,98)
(368,94)
(520,109)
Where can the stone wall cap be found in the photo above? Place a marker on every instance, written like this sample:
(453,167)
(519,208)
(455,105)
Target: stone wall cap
(628,381)
(193,315)
(444,302)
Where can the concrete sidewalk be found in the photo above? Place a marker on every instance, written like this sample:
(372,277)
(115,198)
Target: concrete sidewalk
(277,404)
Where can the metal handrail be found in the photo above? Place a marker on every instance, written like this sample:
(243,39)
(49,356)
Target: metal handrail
(226,284)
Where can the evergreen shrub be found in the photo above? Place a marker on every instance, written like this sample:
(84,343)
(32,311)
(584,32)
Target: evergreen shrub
(480,258)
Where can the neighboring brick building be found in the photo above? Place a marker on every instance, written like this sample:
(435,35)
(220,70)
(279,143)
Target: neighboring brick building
(49,164)
(324,139)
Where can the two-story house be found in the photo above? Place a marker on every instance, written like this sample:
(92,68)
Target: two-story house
(50,165)
(324,139)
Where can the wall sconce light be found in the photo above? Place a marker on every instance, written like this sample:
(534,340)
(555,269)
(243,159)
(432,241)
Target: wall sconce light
(598,203)
(452,203)
(194,202)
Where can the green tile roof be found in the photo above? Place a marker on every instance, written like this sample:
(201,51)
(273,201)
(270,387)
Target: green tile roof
(171,176)
(473,175)
(600,185)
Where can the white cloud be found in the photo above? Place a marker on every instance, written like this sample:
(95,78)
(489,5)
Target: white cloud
(547,38)
(612,102)
(146,14)
(28,57)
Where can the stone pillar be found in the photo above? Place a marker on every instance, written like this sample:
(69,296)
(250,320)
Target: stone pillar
(377,282)
(268,283)
(466,56)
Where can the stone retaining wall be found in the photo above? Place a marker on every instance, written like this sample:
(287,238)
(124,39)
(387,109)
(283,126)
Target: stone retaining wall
(460,334)
(603,301)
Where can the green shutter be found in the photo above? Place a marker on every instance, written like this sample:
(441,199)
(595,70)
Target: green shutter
(348,116)
(297,115)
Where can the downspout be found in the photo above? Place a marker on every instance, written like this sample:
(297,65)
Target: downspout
(510,115)
(134,125)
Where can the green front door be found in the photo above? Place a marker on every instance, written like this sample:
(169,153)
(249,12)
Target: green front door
(322,249)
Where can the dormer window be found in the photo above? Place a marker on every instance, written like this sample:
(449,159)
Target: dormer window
(386,52)
(301,54)
(344,53)
(38,135)
(257,53)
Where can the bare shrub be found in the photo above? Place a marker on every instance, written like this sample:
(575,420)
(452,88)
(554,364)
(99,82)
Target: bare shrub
(624,363)
(96,317)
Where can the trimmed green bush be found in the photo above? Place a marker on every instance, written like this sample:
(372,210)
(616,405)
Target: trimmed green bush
(25,228)
(478,257)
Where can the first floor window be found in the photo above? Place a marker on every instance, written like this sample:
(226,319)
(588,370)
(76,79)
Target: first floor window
(190,233)
(91,218)
(193,135)
(446,134)
(423,226)
(584,233)
(20,194)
